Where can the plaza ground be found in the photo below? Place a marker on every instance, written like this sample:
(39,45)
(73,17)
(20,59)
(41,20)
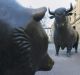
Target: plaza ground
(63,65)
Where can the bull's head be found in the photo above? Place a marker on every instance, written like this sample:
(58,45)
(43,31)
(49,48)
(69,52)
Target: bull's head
(61,14)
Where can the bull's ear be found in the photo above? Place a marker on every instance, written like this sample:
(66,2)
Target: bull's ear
(39,13)
(68,14)
(51,17)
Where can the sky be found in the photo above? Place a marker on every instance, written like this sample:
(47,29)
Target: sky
(52,4)
(47,3)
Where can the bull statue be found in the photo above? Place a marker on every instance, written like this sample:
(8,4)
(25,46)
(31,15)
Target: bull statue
(65,36)
(23,41)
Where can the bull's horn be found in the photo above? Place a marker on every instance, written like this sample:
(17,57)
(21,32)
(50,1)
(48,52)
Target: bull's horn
(71,8)
(51,13)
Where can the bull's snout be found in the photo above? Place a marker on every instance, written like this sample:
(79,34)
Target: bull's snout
(47,64)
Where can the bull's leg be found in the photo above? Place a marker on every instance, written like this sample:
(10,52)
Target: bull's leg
(69,52)
(57,50)
(76,46)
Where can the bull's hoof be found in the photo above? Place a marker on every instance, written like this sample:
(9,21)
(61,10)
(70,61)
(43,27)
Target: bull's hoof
(68,54)
(76,51)
(56,54)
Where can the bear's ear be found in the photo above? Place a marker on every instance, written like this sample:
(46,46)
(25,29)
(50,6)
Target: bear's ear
(39,13)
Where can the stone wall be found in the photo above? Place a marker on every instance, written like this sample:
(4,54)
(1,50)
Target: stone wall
(75,18)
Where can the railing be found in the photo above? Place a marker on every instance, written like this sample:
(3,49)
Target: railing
(49,32)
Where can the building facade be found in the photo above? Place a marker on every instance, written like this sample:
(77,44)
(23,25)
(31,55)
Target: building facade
(75,18)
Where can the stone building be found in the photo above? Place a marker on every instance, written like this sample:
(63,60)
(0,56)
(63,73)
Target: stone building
(75,18)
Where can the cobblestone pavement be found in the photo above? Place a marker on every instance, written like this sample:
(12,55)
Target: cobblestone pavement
(63,65)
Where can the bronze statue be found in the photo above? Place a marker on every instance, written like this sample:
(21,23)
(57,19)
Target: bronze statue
(64,34)
(23,41)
